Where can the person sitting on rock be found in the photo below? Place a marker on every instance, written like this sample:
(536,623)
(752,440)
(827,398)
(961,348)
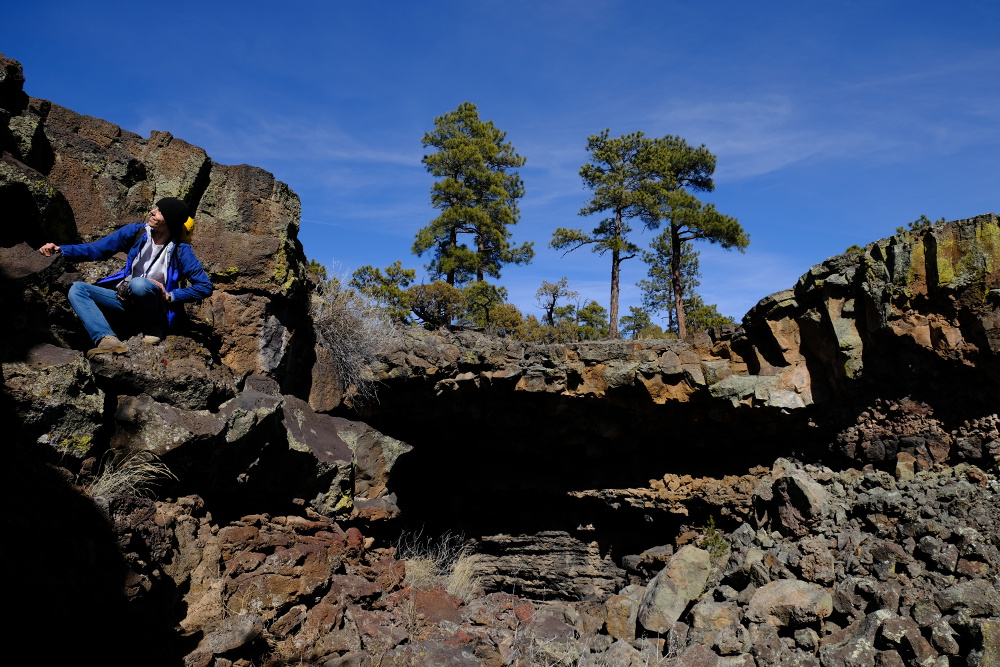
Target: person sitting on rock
(147,291)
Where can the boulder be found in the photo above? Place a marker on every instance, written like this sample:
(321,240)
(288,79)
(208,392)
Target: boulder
(790,603)
(622,610)
(56,399)
(179,372)
(672,590)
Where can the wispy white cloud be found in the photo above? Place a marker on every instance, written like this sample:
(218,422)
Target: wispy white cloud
(884,118)
(759,136)
(243,137)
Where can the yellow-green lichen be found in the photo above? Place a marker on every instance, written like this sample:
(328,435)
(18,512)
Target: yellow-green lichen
(345,504)
(974,256)
(76,444)
(229,275)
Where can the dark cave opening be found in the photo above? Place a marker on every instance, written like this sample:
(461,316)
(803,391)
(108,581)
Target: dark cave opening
(488,462)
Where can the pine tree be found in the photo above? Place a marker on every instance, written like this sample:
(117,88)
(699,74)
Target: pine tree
(682,168)
(658,288)
(593,319)
(477,194)
(635,176)
(658,293)
(388,289)
(637,321)
(616,175)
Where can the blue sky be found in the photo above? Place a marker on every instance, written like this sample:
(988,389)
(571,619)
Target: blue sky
(833,122)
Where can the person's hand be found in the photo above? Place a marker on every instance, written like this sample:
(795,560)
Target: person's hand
(163,290)
(49,249)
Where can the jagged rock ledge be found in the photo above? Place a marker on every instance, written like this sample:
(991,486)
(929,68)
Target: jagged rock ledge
(913,315)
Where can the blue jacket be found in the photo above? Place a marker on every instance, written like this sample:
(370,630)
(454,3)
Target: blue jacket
(183,264)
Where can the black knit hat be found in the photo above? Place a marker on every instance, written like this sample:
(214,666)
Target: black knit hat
(175,213)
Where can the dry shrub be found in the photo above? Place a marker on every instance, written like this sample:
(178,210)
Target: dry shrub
(355,331)
(446,560)
(421,572)
(129,475)
(463,580)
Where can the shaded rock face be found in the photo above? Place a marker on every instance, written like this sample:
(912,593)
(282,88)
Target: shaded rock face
(873,353)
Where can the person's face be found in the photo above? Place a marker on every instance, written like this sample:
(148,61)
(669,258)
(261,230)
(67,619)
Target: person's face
(156,219)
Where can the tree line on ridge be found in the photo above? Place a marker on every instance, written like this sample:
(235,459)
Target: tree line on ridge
(634,180)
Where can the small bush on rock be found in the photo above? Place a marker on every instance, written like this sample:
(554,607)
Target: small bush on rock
(354,330)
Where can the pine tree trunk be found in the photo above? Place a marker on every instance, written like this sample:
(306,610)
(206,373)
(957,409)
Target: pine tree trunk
(675,277)
(481,247)
(616,262)
(615,271)
(452,244)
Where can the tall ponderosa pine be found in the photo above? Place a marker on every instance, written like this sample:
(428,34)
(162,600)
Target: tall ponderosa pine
(621,189)
(477,195)
(688,219)
(635,176)
(658,294)
(681,169)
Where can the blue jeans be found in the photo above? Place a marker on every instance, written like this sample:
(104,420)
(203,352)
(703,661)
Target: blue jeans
(94,304)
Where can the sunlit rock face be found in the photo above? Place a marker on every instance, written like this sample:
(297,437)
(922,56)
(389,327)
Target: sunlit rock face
(913,315)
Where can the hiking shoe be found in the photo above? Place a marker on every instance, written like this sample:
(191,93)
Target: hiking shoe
(108,345)
(152,336)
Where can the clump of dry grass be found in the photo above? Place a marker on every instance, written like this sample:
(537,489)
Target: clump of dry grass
(464,580)
(129,475)
(446,560)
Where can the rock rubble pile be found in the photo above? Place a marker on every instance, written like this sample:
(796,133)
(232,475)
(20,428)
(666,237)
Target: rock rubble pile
(851,567)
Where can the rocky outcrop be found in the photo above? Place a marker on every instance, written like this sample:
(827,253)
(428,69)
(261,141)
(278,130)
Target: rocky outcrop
(902,318)
(69,178)
(229,403)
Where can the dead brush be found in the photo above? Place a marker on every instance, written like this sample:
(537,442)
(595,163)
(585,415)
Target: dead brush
(354,331)
(131,474)
(446,560)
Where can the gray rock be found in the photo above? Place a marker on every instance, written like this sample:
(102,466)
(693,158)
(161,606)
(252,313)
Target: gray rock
(55,398)
(978,597)
(145,424)
(790,603)
(800,501)
(231,633)
(717,624)
(669,593)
